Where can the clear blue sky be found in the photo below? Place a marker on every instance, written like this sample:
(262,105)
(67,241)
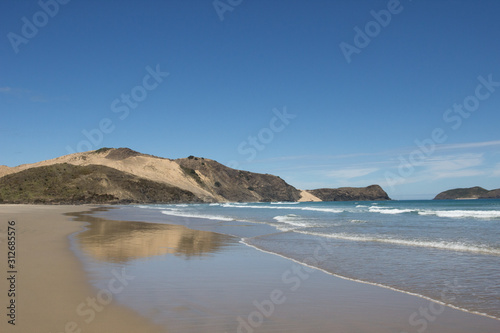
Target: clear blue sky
(262,85)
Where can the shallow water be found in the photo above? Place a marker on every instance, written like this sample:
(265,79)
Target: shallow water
(448,251)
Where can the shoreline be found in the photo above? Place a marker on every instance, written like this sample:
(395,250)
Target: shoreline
(51,283)
(379,285)
(59,283)
(456,317)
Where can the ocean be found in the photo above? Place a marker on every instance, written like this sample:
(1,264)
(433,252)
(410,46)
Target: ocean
(447,251)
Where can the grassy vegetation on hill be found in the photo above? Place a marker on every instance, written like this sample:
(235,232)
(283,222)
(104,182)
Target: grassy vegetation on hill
(66,183)
(468,193)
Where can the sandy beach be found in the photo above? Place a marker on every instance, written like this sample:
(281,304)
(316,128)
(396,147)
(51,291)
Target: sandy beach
(188,280)
(50,282)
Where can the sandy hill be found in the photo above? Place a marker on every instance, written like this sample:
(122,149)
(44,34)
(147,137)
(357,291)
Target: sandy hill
(195,179)
(153,168)
(65,183)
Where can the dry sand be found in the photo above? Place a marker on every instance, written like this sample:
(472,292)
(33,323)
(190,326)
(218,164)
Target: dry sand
(306,197)
(50,280)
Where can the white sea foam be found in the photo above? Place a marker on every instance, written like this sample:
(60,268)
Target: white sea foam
(358,221)
(289,207)
(392,211)
(326,210)
(284,203)
(288,216)
(150,207)
(201,216)
(451,246)
(479,214)
(235,205)
(255,207)
(291,219)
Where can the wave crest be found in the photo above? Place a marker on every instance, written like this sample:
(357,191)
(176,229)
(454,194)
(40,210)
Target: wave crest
(442,245)
(200,216)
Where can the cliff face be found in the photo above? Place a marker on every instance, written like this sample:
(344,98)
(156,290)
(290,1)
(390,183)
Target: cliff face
(369,193)
(236,185)
(468,193)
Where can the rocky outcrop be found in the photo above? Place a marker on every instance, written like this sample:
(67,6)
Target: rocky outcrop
(468,193)
(237,185)
(369,193)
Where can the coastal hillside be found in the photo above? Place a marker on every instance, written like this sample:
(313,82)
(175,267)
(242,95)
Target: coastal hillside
(72,184)
(468,193)
(156,169)
(369,193)
(121,175)
(237,185)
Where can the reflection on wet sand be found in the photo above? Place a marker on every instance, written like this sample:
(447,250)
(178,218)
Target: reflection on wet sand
(122,241)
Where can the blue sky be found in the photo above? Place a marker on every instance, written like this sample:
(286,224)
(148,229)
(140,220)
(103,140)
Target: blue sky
(292,88)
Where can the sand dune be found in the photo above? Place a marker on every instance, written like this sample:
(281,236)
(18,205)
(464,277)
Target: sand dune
(153,168)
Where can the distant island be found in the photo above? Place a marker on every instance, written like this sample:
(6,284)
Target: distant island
(369,193)
(125,176)
(468,193)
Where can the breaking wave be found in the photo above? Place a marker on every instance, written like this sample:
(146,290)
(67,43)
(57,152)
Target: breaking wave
(443,245)
(200,216)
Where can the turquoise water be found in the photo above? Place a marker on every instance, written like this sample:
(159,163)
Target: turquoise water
(448,251)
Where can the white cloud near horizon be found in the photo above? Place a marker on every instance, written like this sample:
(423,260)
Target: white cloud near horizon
(464,162)
(349,173)
(447,163)
(443,167)
(469,145)
(496,171)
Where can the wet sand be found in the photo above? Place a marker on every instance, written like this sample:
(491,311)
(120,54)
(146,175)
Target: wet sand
(51,284)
